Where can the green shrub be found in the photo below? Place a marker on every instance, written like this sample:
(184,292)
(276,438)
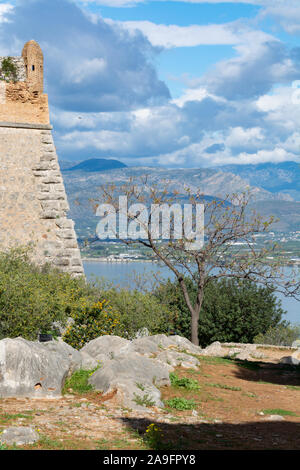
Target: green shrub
(153,436)
(144,400)
(232,310)
(181,404)
(78,382)
(139,310)
(32,298)
(185,382)
(8,69)
(91,322)
(280,335)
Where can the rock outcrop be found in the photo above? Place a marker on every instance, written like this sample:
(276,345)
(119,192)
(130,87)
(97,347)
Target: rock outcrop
(36,370)
(131,371)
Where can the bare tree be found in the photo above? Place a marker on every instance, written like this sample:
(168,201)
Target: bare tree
(230,248)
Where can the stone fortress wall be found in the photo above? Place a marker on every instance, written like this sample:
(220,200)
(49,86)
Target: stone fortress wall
(33,201)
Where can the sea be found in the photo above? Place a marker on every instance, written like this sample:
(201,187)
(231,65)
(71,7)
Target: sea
(145,274)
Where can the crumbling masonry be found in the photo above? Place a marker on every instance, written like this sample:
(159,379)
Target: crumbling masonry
(33,201)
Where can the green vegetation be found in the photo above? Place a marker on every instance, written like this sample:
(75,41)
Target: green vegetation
(139,310)
(78,382)
(181,404)
(185,382)
(280,335)
(119,312)
(225,387)
(32,298)
(8,70)
(144,400)
(279,411)
(6,417)
(153,437)
(91,322)
(232,310)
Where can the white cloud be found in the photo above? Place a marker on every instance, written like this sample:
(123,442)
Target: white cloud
(256,69)
(285,12)
(87,69)
(169,36)
(275,155)
(194,156)
(282,113)
(4,9)
(238,136)
(191,94)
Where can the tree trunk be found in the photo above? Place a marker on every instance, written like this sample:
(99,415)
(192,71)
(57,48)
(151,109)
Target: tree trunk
(194,327)
(195,311)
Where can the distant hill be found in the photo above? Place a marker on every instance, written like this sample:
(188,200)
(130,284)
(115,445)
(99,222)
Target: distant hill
(286,212)
(83,186)
(93,165)
(281,177)
(65,164)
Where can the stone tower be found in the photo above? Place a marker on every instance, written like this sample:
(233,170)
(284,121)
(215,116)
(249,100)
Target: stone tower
(33,201)
(34,64)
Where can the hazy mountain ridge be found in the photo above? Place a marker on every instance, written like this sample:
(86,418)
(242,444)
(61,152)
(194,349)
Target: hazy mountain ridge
(281,177)
(212,182)
(82,186)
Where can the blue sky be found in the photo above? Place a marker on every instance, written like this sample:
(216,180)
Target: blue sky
(174,83)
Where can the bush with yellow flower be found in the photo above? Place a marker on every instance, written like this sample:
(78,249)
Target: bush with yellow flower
(91,322)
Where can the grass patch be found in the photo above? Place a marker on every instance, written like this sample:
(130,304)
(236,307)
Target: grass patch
(129,441)
(78,382)
(186,383)
(293,387)
(102,444)
(144,400)
(181,404)
(225,387)
(216,360)
(47,443)
(230,360)
(279,411)
(10,417)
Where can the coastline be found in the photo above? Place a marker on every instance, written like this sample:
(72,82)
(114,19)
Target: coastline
(139,260)
(105,260)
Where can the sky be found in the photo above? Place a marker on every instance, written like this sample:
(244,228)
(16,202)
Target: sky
(181,84)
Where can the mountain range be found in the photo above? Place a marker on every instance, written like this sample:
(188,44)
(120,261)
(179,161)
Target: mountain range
(275,187)
(274,177)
